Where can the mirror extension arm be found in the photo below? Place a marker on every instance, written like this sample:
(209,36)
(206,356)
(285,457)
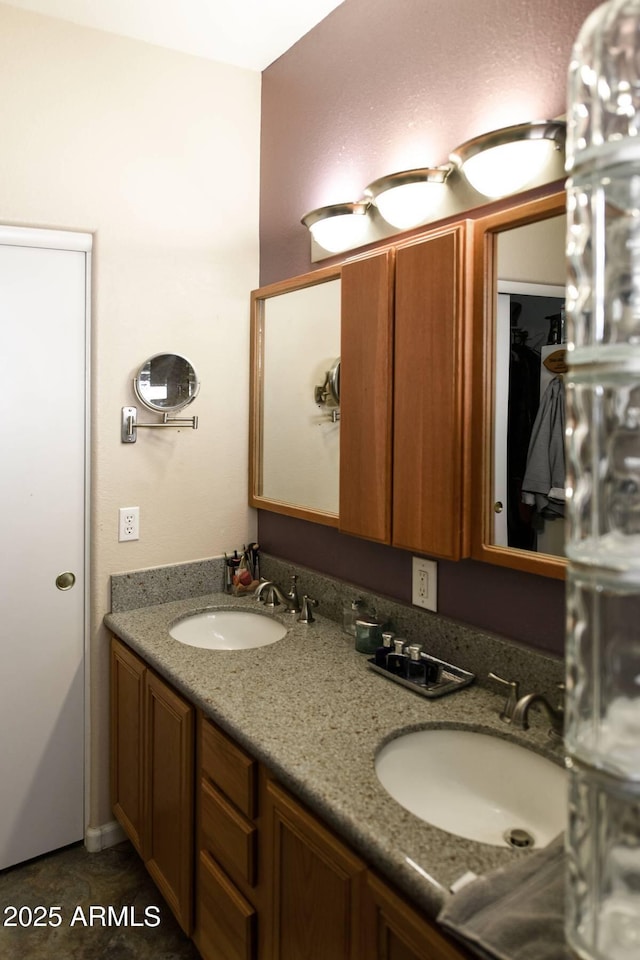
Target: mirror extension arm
(130,423)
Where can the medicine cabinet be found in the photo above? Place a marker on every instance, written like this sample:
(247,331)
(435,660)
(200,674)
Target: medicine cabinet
(391,468)
(519,281)
(410,456)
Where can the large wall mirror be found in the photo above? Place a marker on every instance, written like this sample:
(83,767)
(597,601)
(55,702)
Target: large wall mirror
(295,412)
(519,406)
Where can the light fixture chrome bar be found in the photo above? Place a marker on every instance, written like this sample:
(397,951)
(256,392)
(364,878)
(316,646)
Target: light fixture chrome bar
(404,177)
(358,208)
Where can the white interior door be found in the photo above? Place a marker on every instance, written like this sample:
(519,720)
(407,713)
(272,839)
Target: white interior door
(43,334)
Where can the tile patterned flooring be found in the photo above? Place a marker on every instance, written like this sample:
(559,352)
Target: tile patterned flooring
(74,881)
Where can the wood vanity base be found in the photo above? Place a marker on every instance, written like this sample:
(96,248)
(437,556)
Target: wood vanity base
(272,881)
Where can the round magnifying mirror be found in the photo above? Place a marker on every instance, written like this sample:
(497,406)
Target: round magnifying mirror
(166,382)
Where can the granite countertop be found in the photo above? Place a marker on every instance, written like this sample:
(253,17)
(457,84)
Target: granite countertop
(311,710)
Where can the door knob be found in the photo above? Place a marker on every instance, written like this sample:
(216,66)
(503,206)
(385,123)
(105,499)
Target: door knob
(64,581)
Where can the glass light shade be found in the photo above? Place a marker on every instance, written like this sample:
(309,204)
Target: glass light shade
(406,199)
(339,227)
(507,160)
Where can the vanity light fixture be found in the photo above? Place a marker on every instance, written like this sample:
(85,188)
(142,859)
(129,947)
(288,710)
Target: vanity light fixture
(407,198)
(504,161)
(340,226)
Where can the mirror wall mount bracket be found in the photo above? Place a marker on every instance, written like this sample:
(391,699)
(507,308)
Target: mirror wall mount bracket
(130,424)
(328,394)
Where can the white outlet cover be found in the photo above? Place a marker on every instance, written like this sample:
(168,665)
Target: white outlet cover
(424,592)
(128,523)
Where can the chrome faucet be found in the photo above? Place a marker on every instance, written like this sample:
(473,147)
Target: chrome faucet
(516,708)
(556,714)
(273,596)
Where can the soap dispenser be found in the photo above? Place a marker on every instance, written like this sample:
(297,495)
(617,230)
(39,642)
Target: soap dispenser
(352,610)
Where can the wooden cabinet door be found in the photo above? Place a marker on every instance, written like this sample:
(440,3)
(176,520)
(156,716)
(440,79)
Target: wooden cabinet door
(227,922)
(366,371)
(127,732)
(395,931)
(316,886)
(431,396)
(169,781)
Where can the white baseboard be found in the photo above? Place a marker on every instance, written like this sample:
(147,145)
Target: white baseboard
(106,835)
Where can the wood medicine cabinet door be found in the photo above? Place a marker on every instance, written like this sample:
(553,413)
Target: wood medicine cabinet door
(366,376)
(431,396)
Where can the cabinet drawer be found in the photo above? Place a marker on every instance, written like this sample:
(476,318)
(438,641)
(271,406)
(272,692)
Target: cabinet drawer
(231,769)
(227,835)
(226,922)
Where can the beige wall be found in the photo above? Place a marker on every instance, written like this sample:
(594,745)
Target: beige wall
(157,154)
(534,253)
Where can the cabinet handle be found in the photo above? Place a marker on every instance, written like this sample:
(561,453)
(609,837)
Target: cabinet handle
(497,507)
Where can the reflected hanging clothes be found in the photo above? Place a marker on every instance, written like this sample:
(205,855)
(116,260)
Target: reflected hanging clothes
(544,479)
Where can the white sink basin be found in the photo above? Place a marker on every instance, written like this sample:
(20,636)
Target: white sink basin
(227,630)
(475,786)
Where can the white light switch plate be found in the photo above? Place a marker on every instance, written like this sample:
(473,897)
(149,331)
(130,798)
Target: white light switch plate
(425,584)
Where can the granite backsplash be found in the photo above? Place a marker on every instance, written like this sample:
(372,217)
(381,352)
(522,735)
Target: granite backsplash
(477,651)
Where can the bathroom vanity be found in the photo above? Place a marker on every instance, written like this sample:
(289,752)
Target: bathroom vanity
(272,879)
(252,773)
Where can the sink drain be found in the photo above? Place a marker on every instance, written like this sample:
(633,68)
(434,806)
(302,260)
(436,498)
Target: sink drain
(519,838)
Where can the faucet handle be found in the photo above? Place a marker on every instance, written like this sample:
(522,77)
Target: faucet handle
(512,696)
(292,596)
(306,615)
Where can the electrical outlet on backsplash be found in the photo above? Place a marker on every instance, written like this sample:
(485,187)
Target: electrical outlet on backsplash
(477,651)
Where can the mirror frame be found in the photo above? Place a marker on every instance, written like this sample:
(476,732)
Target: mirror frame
(486,232)
(257,346)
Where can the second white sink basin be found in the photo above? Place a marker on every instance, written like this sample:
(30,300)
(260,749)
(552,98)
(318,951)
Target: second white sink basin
(476,786)
(227,630)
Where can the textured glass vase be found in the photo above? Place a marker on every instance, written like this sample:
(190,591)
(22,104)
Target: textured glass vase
(603,486)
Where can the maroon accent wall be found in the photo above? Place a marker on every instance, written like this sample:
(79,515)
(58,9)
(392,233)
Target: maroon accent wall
(374,88)
(381,86)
